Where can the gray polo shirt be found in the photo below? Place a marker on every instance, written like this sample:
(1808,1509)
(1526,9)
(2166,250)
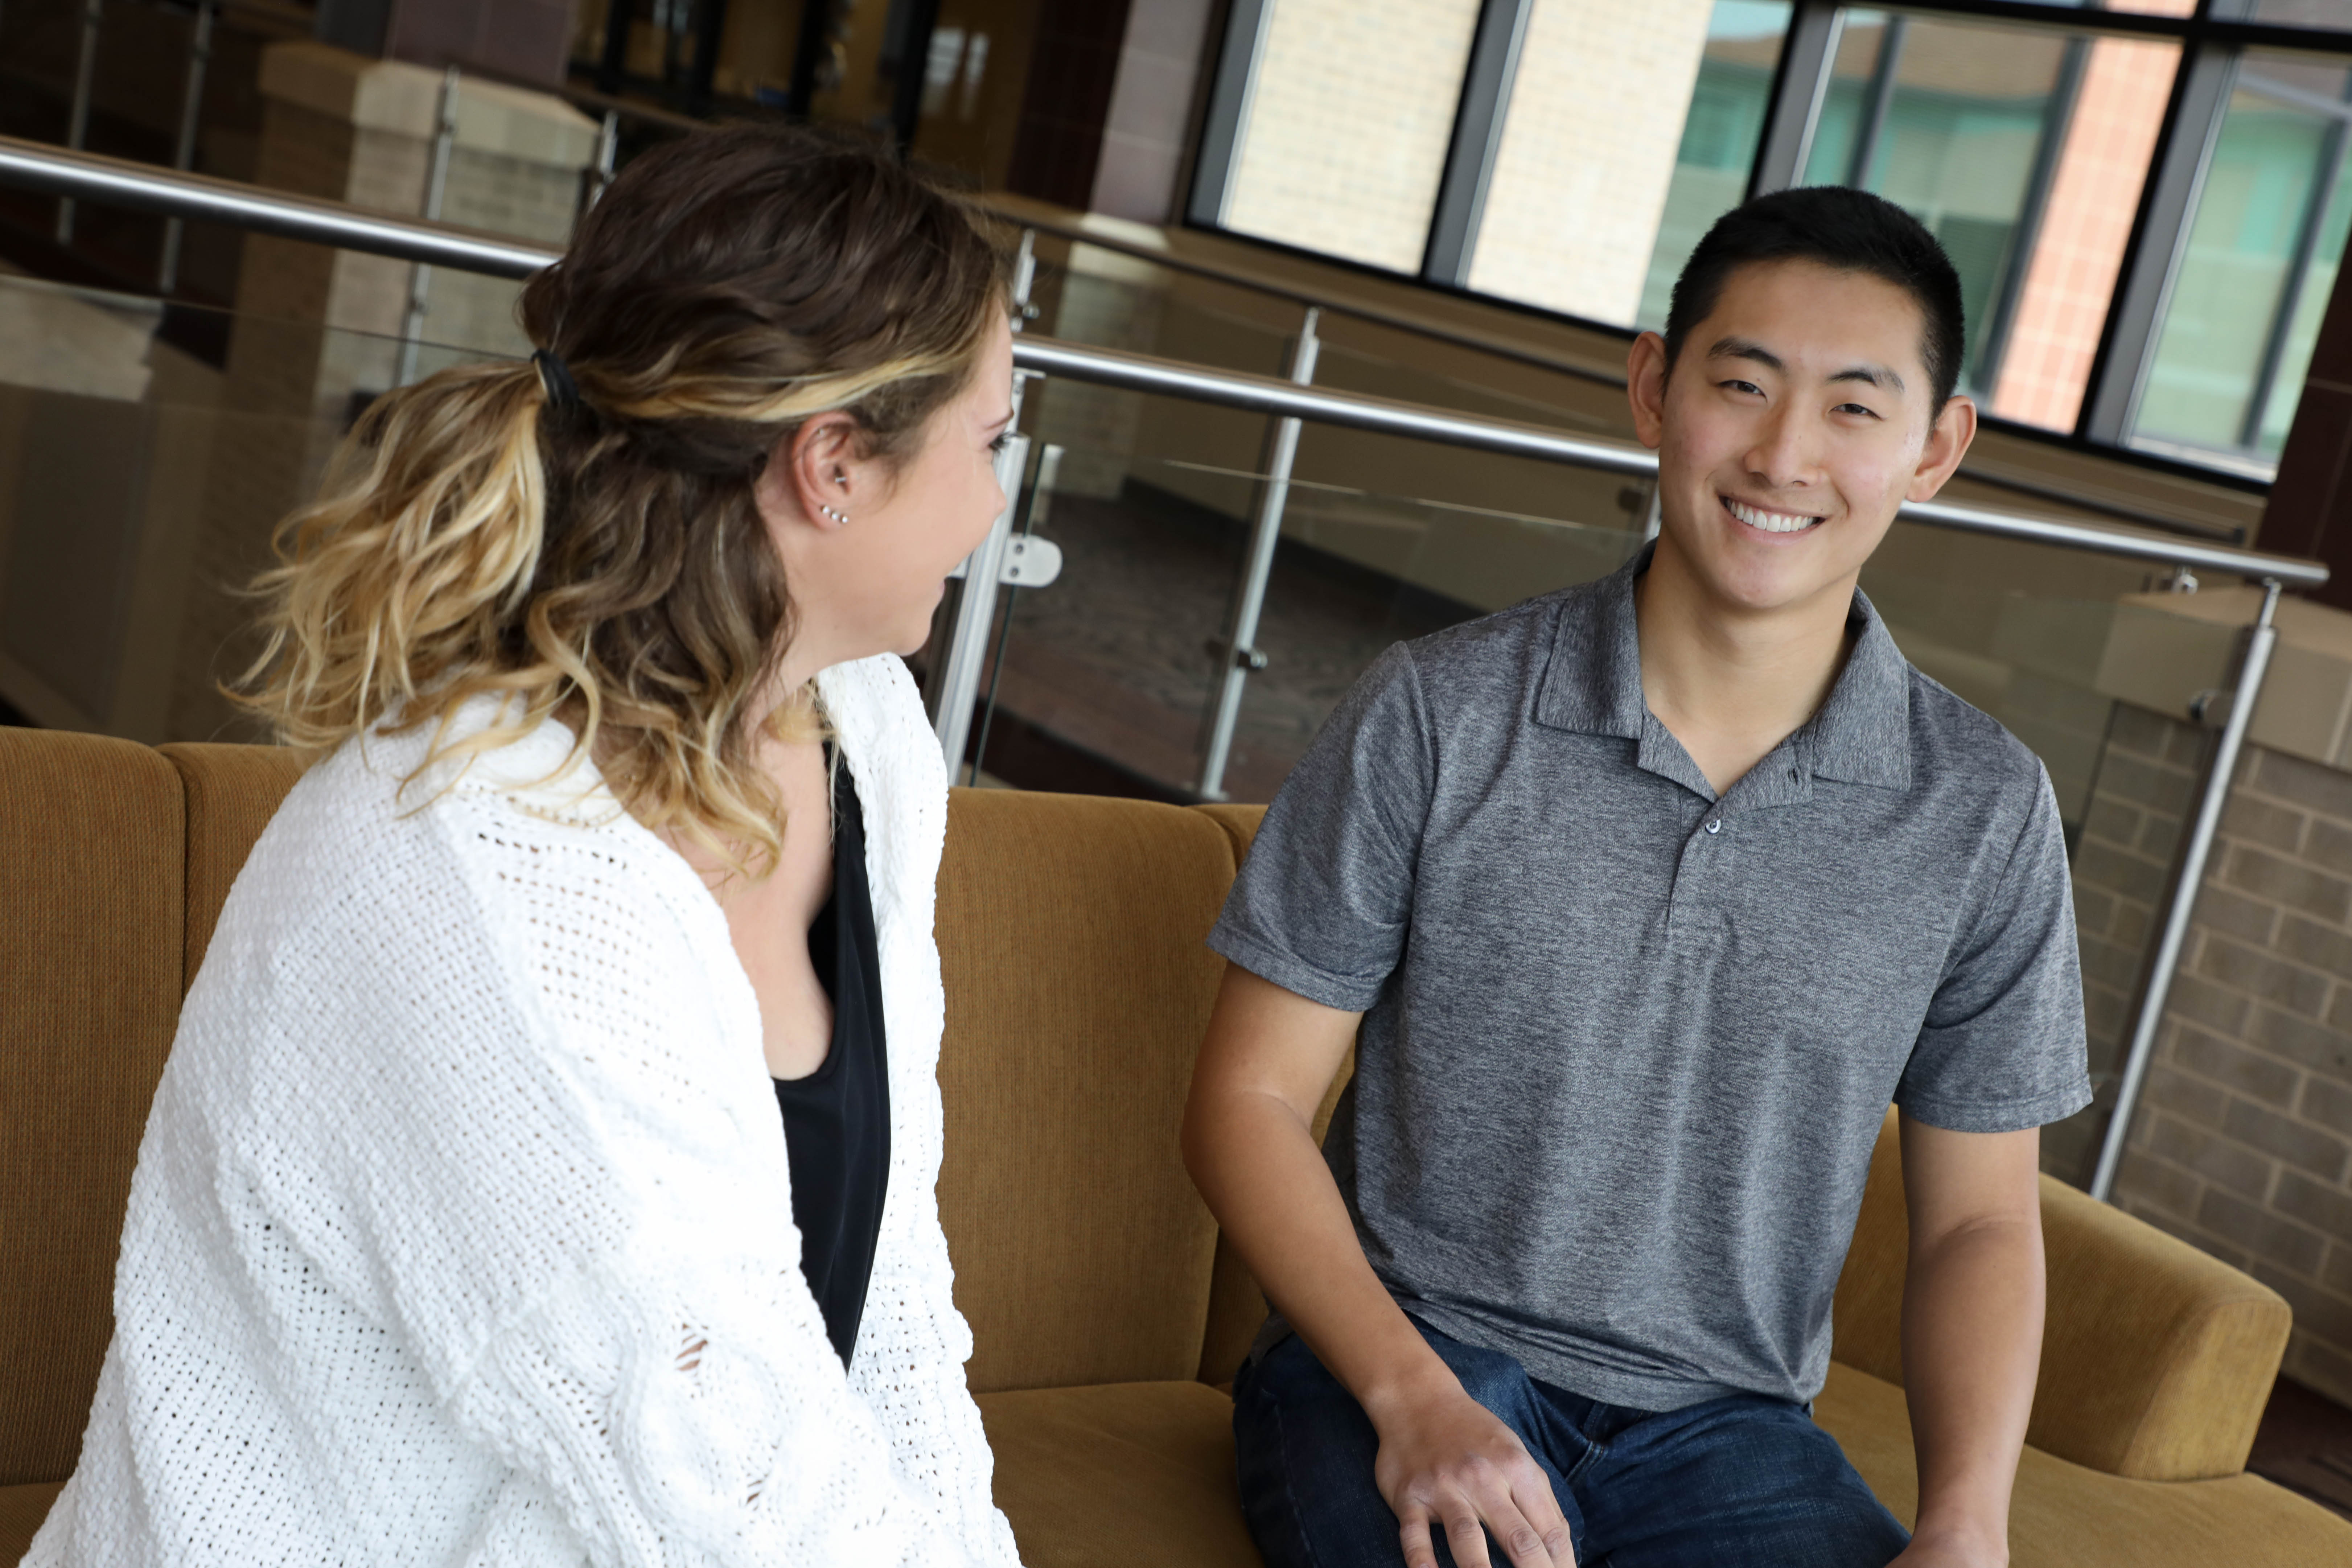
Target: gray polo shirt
(1626,1044)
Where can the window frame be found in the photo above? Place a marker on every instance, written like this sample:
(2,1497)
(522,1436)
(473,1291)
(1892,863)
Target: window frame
(2213,40)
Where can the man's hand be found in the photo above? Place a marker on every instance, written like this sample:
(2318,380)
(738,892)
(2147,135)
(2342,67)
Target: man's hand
(1446,1463)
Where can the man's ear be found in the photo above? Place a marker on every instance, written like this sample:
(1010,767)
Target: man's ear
(1947,443)
(1645,388)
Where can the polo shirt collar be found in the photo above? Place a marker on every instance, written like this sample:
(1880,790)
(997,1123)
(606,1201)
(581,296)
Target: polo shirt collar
(1593,684)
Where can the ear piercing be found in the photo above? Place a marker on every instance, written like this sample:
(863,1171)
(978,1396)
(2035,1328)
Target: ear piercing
(834,512)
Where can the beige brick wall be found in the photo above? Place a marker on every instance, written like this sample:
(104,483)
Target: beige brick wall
(2242,1144)
(2146,777)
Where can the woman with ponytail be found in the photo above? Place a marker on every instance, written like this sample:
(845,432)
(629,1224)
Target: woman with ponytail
(544,1170)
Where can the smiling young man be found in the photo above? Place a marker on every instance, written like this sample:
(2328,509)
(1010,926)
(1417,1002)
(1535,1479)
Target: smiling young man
(1639,903)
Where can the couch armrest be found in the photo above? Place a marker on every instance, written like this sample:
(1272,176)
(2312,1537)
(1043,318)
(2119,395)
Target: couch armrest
(2157,1359)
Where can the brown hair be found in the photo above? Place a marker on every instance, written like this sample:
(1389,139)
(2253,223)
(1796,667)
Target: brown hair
(606,559)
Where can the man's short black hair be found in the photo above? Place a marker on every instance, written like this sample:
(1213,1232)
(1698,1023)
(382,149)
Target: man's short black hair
(1850,230)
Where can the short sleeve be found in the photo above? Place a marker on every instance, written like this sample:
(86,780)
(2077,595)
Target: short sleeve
(1324,900)
(2002,1048)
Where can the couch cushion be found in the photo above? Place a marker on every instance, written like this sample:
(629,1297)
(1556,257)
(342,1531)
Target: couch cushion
(1144,1473)
(90,949)
(1078,987)
(22,1508)
(1140,1473)
(2066,1516)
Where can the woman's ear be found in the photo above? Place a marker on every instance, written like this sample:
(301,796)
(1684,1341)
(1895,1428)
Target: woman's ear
(816,476)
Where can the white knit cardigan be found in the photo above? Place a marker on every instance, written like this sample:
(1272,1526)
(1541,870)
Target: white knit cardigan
(462,1234)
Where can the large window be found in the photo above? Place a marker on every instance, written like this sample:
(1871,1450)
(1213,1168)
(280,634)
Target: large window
(2147,200)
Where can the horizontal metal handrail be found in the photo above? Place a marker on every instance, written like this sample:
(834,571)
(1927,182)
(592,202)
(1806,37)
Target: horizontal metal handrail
(89,176)
(1266,394)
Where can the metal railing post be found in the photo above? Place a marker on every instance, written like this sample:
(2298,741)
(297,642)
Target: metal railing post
(436,185)
(955,684)
(1239,650)
(183,155)
(1024,279)
(2261,639)
(608,155)
(77,118)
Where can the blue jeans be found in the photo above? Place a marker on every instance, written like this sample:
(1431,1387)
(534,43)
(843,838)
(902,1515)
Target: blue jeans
(1734,1482)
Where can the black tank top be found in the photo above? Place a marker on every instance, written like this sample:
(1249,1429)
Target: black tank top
(837,1118)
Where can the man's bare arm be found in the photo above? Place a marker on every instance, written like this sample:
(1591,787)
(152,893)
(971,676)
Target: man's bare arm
(1972,1309)
(1249,1144)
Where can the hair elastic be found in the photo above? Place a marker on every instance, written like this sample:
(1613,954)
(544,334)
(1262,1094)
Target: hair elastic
(563,392)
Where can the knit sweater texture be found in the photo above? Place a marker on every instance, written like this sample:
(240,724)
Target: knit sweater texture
(462,1232)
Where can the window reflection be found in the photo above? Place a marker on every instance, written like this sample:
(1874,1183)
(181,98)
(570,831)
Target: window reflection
(2023,150)
(1727,109)
(2256,269)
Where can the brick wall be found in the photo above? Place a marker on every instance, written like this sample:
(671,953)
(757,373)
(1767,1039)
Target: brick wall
(2243,1142)
(2144,778)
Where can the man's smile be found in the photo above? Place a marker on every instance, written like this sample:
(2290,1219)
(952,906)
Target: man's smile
(1756,517)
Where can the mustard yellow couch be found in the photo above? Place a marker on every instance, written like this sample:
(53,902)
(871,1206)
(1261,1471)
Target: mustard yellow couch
(1105,1313)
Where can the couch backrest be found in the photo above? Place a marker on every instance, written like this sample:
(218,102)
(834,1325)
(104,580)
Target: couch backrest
(1077,989)
(91,847)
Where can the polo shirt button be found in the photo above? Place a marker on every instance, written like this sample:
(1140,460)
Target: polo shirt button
(1715,826)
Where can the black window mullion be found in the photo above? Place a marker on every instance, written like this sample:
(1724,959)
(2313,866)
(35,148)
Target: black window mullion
(1229,103)
(1798,87)
(1878,100)
(1478,116)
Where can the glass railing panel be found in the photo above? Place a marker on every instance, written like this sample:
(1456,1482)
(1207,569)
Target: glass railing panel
(146,454)
(1103,298)
(1099,681)
(1357,570)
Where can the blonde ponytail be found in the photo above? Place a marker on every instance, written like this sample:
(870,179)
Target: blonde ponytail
(425,540)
